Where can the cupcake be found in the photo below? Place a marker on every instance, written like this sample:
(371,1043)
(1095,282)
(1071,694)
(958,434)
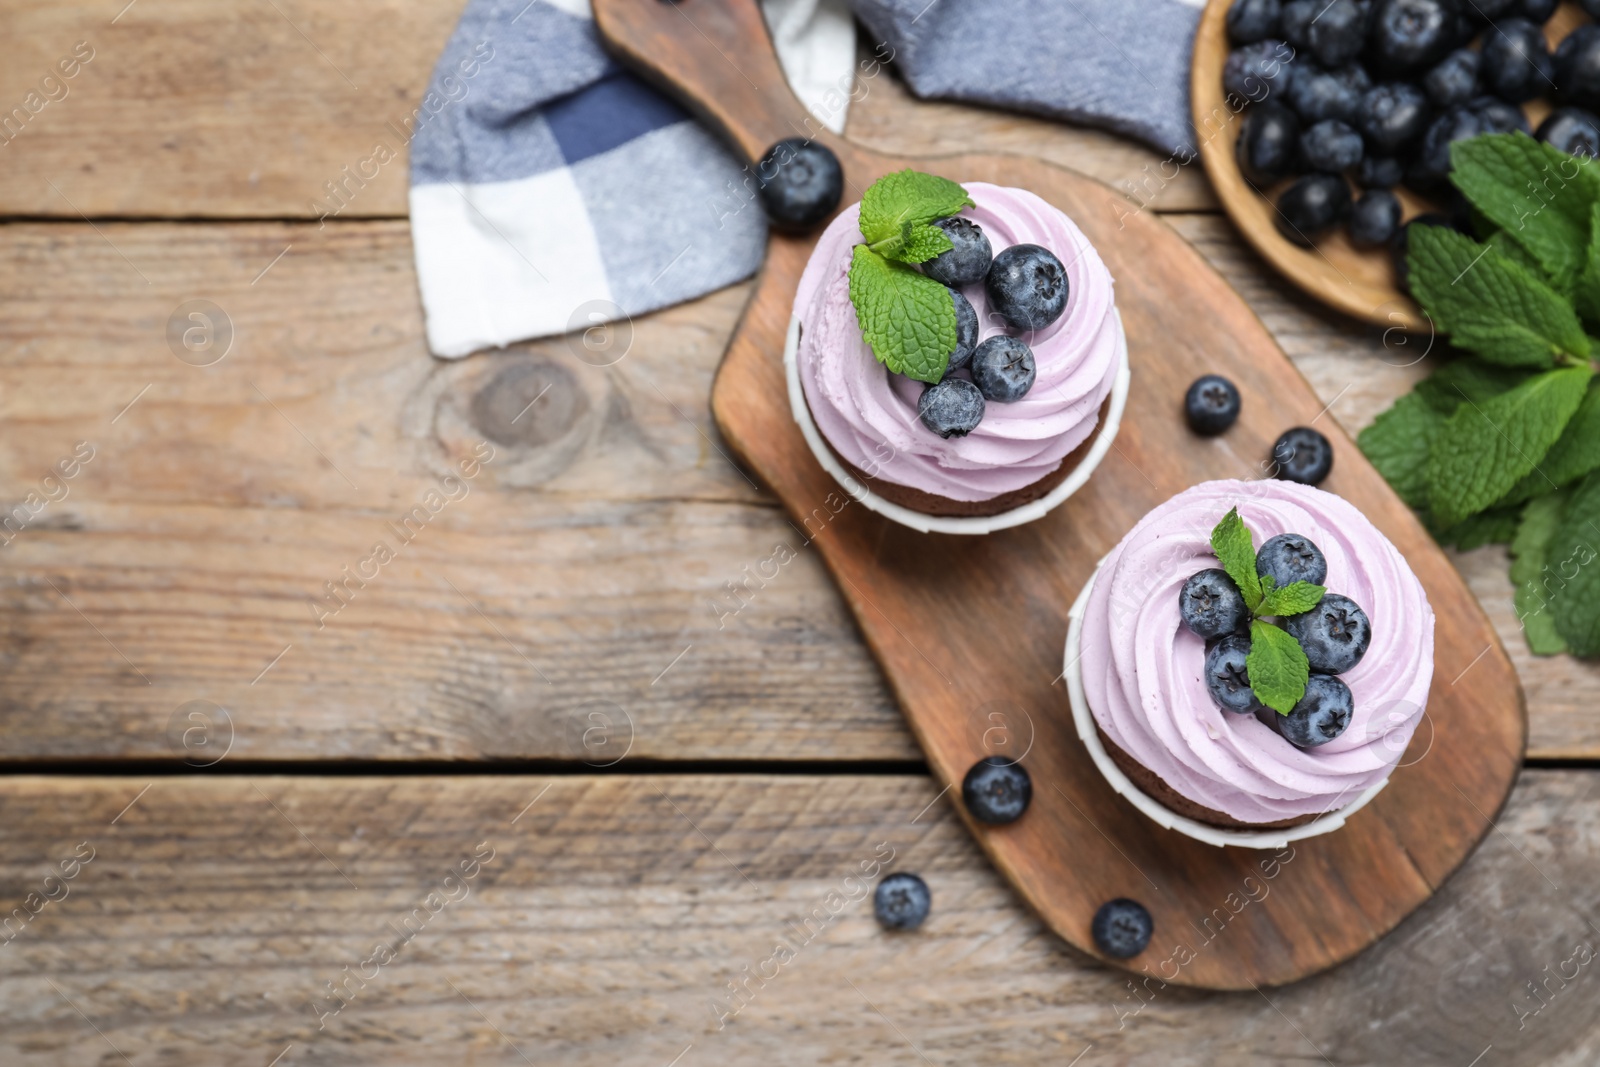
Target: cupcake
(993,429)
(1252,656)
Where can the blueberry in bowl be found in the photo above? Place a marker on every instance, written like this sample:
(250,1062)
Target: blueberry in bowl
(1411,35)
(1331,147)
(1268,148)
(1380,172)
(1250,21)
(1571,130)
(1391,116)
(1577,68)
(1316,94)
(1258,70)
(1312,206)
(1516,65)
(1374,219)
(1339,32)
(1454,80)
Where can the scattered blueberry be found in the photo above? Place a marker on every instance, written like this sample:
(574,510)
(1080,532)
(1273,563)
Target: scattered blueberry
(1577,63)
(1255,71)
(1317,94)
(952,408)
(1411,35)
(1211,405)
(1291,558)
(901,901)
(1253,20)
(1498,116)
(1380,172)
(1303,455)
(968,262)
(1339,32)
(1003,369)
(1331,146)
(1537,10)
(996,791)
(1297,18)
(1320,716)
(1269,144)
(1374,219)
(1311,206)
(1334,634)
(966,331)
(1516,64)
(1454,80)
(1571,130)
(1211,605)
(1391,116)
(1226,676)
(1122,928)
(1432,163)
(1027,287)
(800,182)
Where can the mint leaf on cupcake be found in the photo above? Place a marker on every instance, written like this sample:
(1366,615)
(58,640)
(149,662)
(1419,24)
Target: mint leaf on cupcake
(907,196)
(907,317)
(1230,540)
(1292,599)
(1277,667)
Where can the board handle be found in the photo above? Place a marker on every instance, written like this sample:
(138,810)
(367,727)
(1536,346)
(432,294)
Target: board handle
(717,57)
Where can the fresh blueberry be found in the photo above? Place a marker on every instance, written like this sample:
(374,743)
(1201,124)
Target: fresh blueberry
(1256,71)
(1590,8)
(1311,206)
(1211,605)
(1516,64)
(1253,20)
(966,331)
(1289,558)
(1303,455)
(1226,676)
(1331,146)
(968,261)
(1320,716)
(1003,369)
(1498,116)
(1338,34)
(1380,172)
(1296,21)
(1122,928)
(1537,10)
(1454,80)
(1334,634)
(1269,144)
(1211,405)
(1489,10)
(1391,116)
(1317,94)
(952,408)
(1412,35)
(1027,287)
(901,901)
(1571,130)
(1577,65)
(996,791)
(1402,244)
(1431,165)
(800,182)
(1374,219)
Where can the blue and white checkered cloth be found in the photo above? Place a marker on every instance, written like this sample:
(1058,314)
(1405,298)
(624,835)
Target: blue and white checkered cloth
(551,190)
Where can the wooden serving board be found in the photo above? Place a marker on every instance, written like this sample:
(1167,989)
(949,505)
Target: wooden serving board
(970,630)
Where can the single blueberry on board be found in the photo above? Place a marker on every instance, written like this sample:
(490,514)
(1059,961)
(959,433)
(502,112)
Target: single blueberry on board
(1311,206)
(1211,405)
(901,901)
(1211,605)
(1289,558)
(1027,287)
(996,790)
(1253,20)
(1122,928)
(952,408)
(1302,455)
(1320,716)
(1226,676)
(966,331)
(1374,219)
(1334,634)
(967,262)
(800,182)
(1003,369)
(1269,143)
(1571,130)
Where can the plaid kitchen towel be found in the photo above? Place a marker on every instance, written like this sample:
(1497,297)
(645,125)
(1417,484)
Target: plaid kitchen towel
(552,191)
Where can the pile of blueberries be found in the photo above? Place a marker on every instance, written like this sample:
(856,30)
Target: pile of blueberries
(1334,636)
(1027,290)
(1378,90)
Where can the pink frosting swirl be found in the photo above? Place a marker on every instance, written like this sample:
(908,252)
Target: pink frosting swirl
(1143,670)
(869,415)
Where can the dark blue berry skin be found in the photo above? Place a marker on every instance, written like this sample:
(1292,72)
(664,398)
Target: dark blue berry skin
(1290,558)
(952,408)
(1320,716)
(1338,34)
(1380,172)
(1489,10)
(1411,35)
(1027,287)
(1211,405)
(1311,206)
(1331,146)
(1226,676)
(1317,94)
(1256,71)
(1296,21)
(1516,64)
(800,182)
(1250,21)
(1498,116)
(968,262)
(1431,165)
(1269,143)
(996,791)
(1571,130)
(1577,67)
(1391,116)
(1454,80)
(966,331)
(1537,10)
(1334,634)
(1590,8)
(1211,605)
(1303,455)
(1374,219)
(901,901)
(1122,928)
(1003,369)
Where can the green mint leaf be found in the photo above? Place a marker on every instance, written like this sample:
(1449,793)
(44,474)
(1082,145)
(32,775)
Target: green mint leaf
(1292,599)
(923,242)
(907,196)
(1277,667)
(1463,380)
(1529,550)
(1497,526)
(908,318)
(1571,574)
(1575,453)
(1540,197)
(1586,289)
(1506,246)
(1483,450)
(1230,540)
(1398,442)
(1490,305)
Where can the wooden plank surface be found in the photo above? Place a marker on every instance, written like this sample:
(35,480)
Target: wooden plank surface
(615,911)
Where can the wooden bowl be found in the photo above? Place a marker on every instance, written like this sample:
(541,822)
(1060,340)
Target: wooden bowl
(1358,282)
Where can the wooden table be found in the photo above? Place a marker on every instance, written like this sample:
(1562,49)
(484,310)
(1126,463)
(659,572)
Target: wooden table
(545,687)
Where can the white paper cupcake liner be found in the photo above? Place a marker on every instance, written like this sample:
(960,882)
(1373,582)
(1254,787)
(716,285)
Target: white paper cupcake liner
(1083,718)
(956,524)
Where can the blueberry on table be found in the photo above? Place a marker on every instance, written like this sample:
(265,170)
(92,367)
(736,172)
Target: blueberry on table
(1516,65)
(1211,405)
(1571,130)
(1303,455)
(901,901)
(1334,634)
(800,182)
(1577,67)
(1027,287)
(966,331)
(1454,79)
(1374,219)
(1311,206)
(1296,21)
(1003,369)
(1431,165)
(1290,558)
(1331,146)
(1317,94)
(1320,716)
(1380,172)
(968,261)
(951,408)
(1122,928)
(1411,35)
(1339,32)
(1269,144)
(1226,676)
(996,790)
(1255,71)
(1250,21)
(1211,605)
(1391,116)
